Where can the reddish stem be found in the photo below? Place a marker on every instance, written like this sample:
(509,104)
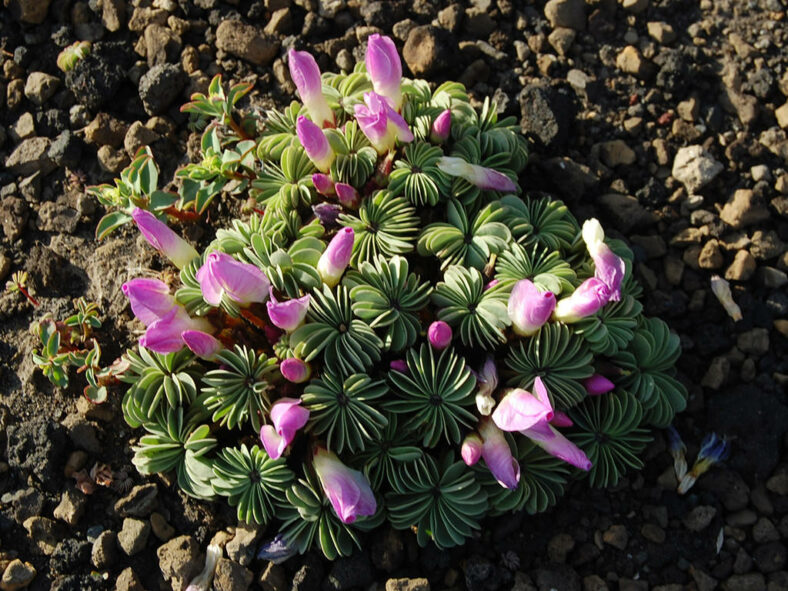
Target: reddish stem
(30,298)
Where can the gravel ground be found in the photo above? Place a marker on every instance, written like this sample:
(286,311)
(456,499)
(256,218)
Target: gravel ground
(666,119)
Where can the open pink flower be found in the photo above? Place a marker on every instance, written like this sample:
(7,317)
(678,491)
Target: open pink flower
(306,75)
(222,275)
(150,299)
(163,239)
(520,409)
(382,125)
(529,308)
(479,176)
(498,455)
(586,300)
(548,438)
(384,68)
(609,267)
(347,490)
(165,335)
(287,417)
(287,315)
(336,257)
(315,144)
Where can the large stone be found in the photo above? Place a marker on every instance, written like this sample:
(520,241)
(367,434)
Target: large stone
(626,212)
(113,14)
(742,268)
(781,114)
(31,156)
(180,560)
(105,550)
(133,536)
(547,114)
(241,548)
(44,532)
(40,86)
(631,61)
(425,50)
(566,13)
(743,209)
(695,167)
(140,502)
(616,152)
(17,575)
(162,45)
(106,130)
(420,584)
(71,507)
(128,581)
(231,576)
(246,42)
(28,11)
(160,86)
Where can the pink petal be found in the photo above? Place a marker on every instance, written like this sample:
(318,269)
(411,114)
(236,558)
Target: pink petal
(549,439)
(202,344)
(164,335)
(150,299)
(163,239)
(273,443)
(519,410)
(498,456)
(287,315)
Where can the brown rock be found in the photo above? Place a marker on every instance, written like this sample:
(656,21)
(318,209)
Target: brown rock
(162,45)
(661,32)
(626,211)
(40,86)
(106,130)
(616,152)
(617,536)
(112,160)
(422,51)
(630,61)
(137,136)
(31,156)
(280,23)
(782,116)
(711,256)
(28,11)
(743,209)
(566,13)
(246,42)
(113,14)
(742,267)
(180,560)
(419,584)
(17,575)
(127,581)
(562,39)
(231,576)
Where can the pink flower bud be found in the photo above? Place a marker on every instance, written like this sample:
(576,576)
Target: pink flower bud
(382,125)
(150,299)
(399,365)
(323,184)
(202,344)
(610,268)
(347,490)
(222,275)
(598,384)
(479,176)
(163,239)
(439,334)
(347,195)
(561,419)
(586,300)
(306,75)
(384,68)
(441,127)
(491,284)
(287,417)
(498,455)
(294,370)
(336,258)
(520,409)
(315,144)
(529,308)
(287,315)
(549,439)
(471,450)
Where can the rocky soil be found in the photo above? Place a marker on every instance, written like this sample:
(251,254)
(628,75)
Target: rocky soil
(665,118)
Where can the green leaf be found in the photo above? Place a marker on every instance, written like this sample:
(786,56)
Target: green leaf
(110,222)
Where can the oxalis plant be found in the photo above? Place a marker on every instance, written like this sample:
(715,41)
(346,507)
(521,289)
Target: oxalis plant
(397,333)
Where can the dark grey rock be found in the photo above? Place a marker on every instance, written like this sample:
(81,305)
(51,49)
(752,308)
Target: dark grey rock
(38,447)
(347,573)
(66,150)
(547,114)
(70,555)
(160,86)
